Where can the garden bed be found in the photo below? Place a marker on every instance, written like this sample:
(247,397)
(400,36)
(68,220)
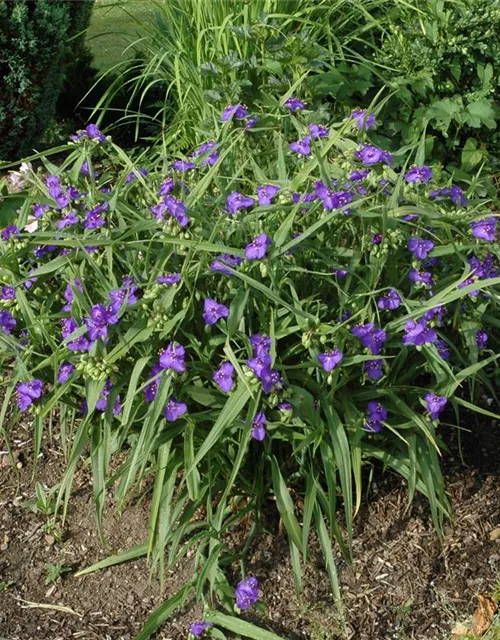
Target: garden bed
(403,584)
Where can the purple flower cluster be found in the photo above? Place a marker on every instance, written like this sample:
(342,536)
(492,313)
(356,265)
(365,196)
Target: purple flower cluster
(28,392)
(302,146)
(7,293)
(371,337)
(261,362)
(133,174)
(209,151)
(377,413)
(66,370)
(374,369)
(10,232)
(318,131)
(170,279)
(170,206)
(102,401)
(79,343)
(94,217)
(100,319)
(236,111)
(151,389)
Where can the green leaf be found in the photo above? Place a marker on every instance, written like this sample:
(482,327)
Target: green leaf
(164,611)
(239,626)
(124,556)
(285,505)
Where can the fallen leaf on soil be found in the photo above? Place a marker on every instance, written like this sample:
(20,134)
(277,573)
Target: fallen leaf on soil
(459,631)
(486,609)
(495,534)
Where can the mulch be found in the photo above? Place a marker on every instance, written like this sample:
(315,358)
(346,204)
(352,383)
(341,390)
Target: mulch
(403,584)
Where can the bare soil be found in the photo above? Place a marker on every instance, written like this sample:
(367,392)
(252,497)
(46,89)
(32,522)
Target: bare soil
(403,584)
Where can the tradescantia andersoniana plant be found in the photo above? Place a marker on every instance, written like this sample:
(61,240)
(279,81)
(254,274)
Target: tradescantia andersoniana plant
(265,316)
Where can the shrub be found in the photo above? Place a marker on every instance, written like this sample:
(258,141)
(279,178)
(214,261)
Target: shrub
(33,50)
(443,65)
(268,315)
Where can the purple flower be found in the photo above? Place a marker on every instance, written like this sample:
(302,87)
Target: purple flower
(484,229)
(177,209)
(100,318)
(223,377)
(259,363)
(7,293)
(373,426)
(183,166)
(7,322)
(302,146)
(261,344)
(118,296)
(93,219)
(481,339)
(251,122)
(259,428)
(391,300)
(455,194)
(69,326)
(266,194)
(85,169)
(435,404)
(363,119)
(172,278)
(226,260)
(418,174)
(10,232)
(435,314)
(466,283)
(330,359)
(247,593)
(423,277)
(318,131)
(377,411)
(69,295)
(334,199)
(174,410)
(257,249)
(236,201)
(359,174)
(39,210)
(92,131)
(151,389)
(285,406)
(133,175)
(203,149)
(442,349)
(166,186)
(294,104)
(102,402)
(68,220)
(66,370)
(213,311)
(371,337)
(368,154)
(419,247)
(377,238)
(271,380)
(27,392)
(374,369)
(237,111)
(340,273)
(197,629)
(418,333)
(172,358)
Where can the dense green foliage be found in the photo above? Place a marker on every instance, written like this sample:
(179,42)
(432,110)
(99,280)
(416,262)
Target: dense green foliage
(432,67)
(104,324)
(34,52)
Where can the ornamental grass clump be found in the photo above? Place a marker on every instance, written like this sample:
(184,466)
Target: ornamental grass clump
(264,323)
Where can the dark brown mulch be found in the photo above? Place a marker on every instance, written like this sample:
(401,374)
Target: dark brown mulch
(402,585)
